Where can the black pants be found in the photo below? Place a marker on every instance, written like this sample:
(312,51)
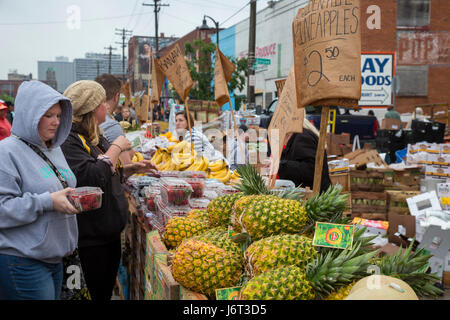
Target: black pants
(100,265)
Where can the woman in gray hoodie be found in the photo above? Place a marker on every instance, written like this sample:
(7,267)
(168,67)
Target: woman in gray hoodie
(37,222)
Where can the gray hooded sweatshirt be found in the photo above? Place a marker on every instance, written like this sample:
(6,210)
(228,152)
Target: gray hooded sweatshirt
(29,225)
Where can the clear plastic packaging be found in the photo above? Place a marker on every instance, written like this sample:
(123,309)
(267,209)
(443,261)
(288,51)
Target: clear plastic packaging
(199,203)
(193,174)
(213,184)
(164,212)
(170,174)
(198,186)
(210,194)
(153,222)
(150,193)
(175,191)
(86,198)
(227,189)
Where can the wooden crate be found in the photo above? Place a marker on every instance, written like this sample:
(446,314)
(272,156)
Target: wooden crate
(395,198)
(369,202)
(371,216)
(365,180)
(362,157)
(343,179)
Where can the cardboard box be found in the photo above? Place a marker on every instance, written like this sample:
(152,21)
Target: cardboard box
(362,157)
(342,179)
(408,176)
(366,180)
(405,225)
(186,294)
(338,144)
(165,286)
(389,249)
(391,124)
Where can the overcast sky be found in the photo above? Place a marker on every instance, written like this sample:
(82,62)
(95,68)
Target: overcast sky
(33,30)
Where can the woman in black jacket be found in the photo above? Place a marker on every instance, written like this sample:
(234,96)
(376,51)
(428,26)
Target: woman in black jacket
(299,157)
(96,163)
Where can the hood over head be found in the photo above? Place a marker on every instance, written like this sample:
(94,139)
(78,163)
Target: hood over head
(33,100)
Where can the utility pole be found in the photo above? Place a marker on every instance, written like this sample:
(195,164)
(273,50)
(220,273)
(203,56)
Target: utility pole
(157,7)
(124,33)
(110,56)
(251,56)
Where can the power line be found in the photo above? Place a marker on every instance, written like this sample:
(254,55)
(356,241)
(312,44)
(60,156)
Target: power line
(124,33)
(110,55)
(234,14)
(157,7)
(65,21)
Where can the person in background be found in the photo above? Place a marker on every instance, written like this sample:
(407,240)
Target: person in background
(5,125)
(376,125)
(117,113)
(418,115)
(10,114)
(126,115)
(299,157)
(38,226)
(236,158)
(392,114)
(95,163)
(111,127)
(201,143)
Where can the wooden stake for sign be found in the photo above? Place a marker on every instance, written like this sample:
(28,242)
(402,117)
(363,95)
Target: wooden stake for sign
(318,168)
(186,111)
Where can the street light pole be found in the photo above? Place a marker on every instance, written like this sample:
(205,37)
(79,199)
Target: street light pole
(205,27)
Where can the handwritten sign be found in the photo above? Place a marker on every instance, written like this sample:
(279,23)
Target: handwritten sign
(327,53)
(174,67)
(279,84)
(223,70)
(286,119)
(157,82)
(126,91)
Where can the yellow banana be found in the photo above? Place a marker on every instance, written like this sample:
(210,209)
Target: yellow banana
(196,165)
(225,178)
(217,165)
(158,158)
(176,148)
(220,174)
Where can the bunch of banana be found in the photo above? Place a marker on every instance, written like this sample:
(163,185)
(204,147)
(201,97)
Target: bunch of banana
(199,164)
(158,156)
(219,170)
(137,157)
(235,175)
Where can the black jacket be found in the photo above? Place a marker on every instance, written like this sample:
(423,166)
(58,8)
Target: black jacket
(298,161)
(104,225)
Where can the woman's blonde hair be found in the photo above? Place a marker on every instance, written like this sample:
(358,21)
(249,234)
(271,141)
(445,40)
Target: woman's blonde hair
(308,125)
(89,125)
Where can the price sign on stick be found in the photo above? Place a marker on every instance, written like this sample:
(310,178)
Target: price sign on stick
(286,119)
(327,54)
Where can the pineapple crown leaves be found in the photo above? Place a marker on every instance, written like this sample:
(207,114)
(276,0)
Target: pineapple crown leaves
(411,267)
(251,181)
(327,205)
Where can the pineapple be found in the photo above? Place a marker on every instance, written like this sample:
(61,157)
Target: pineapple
(238,207)
(341,293)
(276,251)
(319,279)
(208,262)
(271,215)
(221,208)
(179,228)
(197,214)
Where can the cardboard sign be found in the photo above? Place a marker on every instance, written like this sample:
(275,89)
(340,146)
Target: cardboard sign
(391,124)
(280,84)
(126,91)
(338,236)
(157,82)
(137,105)
(174,67)
(223,70)
(327,52)
(286,119)
(228,293)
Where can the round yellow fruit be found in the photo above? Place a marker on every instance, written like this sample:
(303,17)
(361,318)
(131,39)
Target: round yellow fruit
(381,287)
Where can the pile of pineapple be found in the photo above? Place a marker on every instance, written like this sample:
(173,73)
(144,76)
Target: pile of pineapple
(182,157)
(263,243)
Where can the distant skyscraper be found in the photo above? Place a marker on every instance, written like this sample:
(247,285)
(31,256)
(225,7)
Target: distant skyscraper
(64,72)
(95,64)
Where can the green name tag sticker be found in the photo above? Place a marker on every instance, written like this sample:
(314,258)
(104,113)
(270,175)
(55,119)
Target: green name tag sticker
(228,293)
(136,142)
(338,236)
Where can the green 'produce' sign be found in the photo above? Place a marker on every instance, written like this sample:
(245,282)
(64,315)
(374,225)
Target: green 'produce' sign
(338,236)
